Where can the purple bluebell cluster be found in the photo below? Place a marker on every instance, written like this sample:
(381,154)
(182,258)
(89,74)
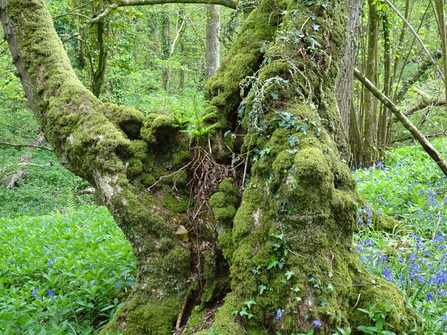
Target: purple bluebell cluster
(417,265)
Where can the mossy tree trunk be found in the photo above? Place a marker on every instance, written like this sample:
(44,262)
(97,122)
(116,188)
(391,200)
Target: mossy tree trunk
(288,240)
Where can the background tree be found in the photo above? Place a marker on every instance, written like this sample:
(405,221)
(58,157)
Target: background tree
(286,242)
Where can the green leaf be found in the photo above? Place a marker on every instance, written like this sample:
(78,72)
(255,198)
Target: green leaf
(289,274)
(249,303)
(273,263)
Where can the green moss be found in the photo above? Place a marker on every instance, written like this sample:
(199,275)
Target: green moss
(157,125)
(135,167)
(138,149)
(177,261)
(386,223)
(195,317)
(311,165)
(150,317)
(175,204)
(274,69)
(225,201)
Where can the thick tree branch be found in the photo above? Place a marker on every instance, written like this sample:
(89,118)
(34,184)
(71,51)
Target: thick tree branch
(426,145)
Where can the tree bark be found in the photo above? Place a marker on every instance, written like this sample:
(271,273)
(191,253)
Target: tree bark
(212,50)
(345,82)
(288,240)
(369,103)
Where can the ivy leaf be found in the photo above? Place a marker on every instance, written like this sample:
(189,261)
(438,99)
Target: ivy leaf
(249,303)
(243,311)
(273,263)
(289,274)
(315,26)
(275,96)
(262,288)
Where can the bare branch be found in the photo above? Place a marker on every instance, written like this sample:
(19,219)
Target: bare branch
(72,13)
(426,65)
(407,138)
(225,3)
(19,129)
(413,32)
(423,104)
(26,146)
(33,164)
(426,145)
(73,9)
(123,3)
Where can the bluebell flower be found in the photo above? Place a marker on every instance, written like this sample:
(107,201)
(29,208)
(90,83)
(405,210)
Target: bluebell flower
(51,294)
(387,273)
(50,261)
(414,268)
(421,191)
(420,211)
(317,323)
(35,293)
(429,296)
(412,257)
(439,238)
(278,313)
(420,279)
(380,165)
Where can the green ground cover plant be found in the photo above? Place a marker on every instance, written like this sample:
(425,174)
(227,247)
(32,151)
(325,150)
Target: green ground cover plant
(46,187)
(409,187)
(62,273)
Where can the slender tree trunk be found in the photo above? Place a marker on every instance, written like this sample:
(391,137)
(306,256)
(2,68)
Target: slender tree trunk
(98,73)
(369,102)
(344,88)
(383,126)
(287,240)
(165,49)
(212,50)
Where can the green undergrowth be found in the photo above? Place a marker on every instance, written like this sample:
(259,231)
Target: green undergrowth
(47,186)
(62,273)
(410,187)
